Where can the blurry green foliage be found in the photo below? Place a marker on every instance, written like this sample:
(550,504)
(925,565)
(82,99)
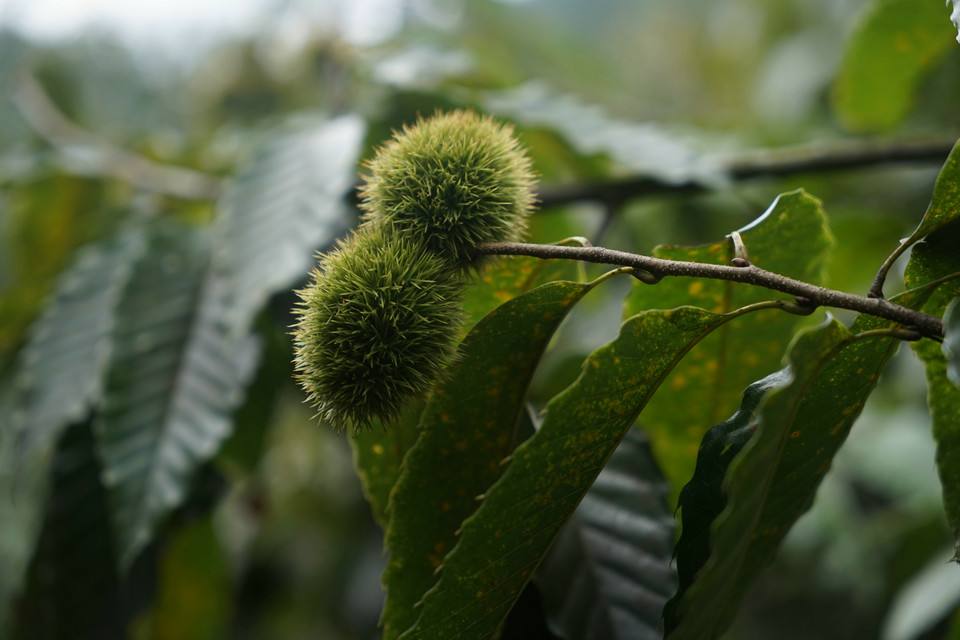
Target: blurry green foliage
(663,89)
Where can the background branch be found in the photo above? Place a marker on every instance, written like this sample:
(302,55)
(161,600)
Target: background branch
(810,294)
(776,163)
(43,116)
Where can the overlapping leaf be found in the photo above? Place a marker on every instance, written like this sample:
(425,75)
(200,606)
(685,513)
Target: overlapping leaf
(791,238)
(503,542)
(504,278)
(175,374)
(281,207)
(608,574)
(378,452)
(894,43)
(466,431)
(758,472)
(934,258)
(58,379)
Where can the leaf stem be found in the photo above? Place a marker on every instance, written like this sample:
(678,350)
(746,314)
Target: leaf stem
(876,288)
(809,295)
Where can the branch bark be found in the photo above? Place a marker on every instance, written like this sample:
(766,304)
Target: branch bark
(657,268)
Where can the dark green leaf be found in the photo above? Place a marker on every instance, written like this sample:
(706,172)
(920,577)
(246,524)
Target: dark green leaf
(791,238)
(934,258)
(280,208)
(894,43)
(72,590)
(503,542)
(175,375)
(951,340)
(466,431)
(758,472)
(608,574)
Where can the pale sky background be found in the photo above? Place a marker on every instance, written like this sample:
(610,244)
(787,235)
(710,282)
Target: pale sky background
(171,23)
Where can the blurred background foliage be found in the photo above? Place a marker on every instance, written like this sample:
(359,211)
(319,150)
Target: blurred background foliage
(275,540)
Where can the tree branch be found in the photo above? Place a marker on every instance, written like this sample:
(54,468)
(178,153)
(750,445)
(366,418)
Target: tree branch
(761,164)
(807,294)
(68,139)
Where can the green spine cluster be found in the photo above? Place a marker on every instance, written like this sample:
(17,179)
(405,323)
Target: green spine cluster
(378,323)
(377,326)
(456,180)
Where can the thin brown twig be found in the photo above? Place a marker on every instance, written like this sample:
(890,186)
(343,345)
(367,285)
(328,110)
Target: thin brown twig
(810,294)
(106,159)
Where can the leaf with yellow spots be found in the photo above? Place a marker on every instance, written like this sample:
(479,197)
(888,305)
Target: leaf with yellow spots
(791,238)
(893,45)
(522,513)
(934,258)
(467,430)
(378,453)
(608,573)
(759,471)
(505,277)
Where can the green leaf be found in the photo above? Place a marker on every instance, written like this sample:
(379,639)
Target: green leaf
(175,375)
(951,340)
(378,454)
(466,431)
(791,238)
(894,43)
(759,471)
(72,589)
(505,277)
(287,202)
(944,205)
(936,257)
(503,542)
(644,148)
(608,574)
(59,375)
(57,379)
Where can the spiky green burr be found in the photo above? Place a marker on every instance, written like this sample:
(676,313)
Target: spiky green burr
(454,180)
(376,327)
